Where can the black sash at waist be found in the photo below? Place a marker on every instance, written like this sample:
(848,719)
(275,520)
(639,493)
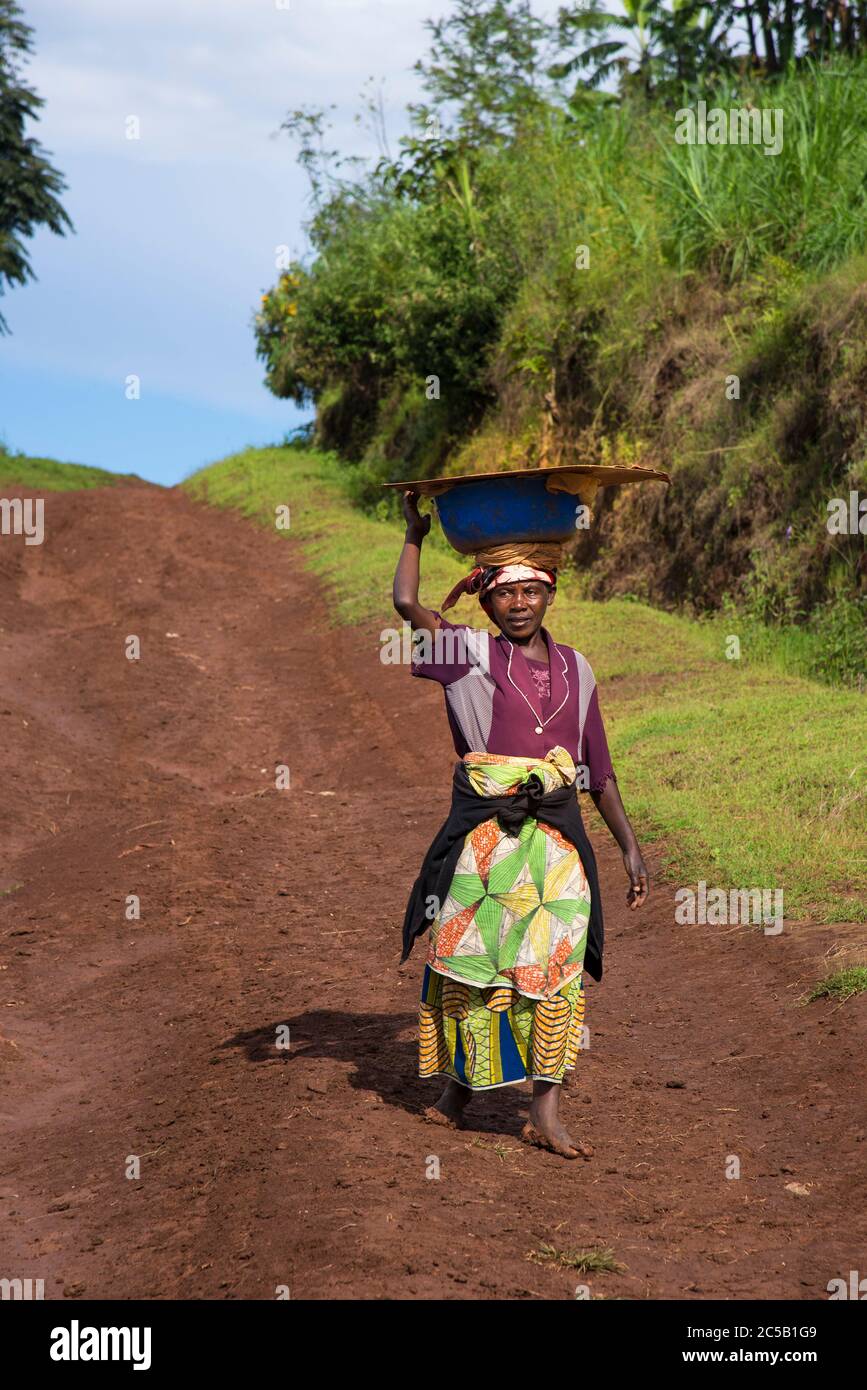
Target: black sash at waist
(558,808)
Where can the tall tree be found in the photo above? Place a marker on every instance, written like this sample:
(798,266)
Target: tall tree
(652,43)
(487,68)
(29,185)
(606,56)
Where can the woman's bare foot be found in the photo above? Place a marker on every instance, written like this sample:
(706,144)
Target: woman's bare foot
(545,1129)
(449,1109)
(556,1140)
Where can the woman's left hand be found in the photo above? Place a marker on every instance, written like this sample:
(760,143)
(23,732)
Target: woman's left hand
(639,881)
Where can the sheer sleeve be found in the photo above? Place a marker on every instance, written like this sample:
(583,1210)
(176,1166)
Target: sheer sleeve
(442,656)
(597,758)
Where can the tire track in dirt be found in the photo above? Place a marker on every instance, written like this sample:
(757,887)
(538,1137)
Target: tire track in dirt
(264,1167)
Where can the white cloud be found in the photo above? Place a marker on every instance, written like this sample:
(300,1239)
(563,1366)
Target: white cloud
(175,232)
(212,78)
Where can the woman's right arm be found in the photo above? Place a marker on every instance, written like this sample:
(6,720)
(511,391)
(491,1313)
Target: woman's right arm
(406,576)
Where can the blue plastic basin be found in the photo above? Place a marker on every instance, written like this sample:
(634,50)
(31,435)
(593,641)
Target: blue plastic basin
(497,512)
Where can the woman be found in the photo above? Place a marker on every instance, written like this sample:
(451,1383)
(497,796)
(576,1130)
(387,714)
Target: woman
(509,886)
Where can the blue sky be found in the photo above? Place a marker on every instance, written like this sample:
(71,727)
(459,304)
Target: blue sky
(176,232)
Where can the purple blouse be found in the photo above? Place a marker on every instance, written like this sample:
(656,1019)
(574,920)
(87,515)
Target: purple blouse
(541,674)
(496,701)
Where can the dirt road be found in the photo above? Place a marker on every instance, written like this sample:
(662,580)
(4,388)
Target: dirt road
(156,1038)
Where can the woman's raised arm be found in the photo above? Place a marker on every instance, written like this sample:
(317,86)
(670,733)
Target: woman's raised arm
(406,576)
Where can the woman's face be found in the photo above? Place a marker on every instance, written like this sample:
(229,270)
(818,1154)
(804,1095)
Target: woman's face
(518,609)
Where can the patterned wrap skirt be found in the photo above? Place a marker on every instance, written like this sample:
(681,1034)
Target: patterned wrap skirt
(502,999)
(485,1038)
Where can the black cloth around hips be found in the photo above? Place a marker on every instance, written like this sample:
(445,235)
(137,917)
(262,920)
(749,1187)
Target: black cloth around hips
(558,808)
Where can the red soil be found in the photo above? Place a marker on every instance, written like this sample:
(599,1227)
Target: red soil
(306,1167)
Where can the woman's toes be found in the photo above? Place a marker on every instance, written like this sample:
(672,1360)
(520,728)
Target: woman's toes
(438,1117)
(555,1140)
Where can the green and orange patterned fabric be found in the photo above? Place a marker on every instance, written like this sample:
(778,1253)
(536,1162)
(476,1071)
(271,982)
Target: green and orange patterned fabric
(484,1038)
(518,906)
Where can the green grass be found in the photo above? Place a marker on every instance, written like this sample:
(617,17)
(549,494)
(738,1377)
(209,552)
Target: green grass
(48,475)
(757,781)
(596,1261)
(707,263)
(841,986)
(354,555)
(752,778)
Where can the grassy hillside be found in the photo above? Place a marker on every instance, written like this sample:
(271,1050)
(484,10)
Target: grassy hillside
(48,475)
(755,778)
(584,286)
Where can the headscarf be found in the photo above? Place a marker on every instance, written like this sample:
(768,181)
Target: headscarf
(484,578)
